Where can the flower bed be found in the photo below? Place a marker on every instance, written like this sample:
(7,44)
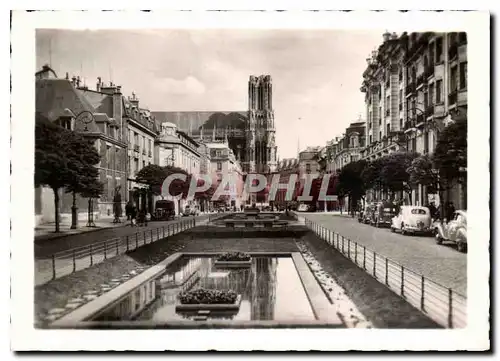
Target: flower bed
(208,299)
(234,256)
(234,260)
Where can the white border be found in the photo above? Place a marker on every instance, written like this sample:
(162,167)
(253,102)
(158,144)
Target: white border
(25,337)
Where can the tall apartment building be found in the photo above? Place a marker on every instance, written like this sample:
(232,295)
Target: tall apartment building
(141,134)
(414,85)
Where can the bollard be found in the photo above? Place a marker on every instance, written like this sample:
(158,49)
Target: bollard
(343,251)
(127,242)
(348,248)
(422,297)
(374,265)
(364,258)
(450,308)
(74,261)
(356,253)
(136,240)
(53,267)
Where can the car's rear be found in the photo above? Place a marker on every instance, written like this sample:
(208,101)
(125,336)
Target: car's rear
(418,220)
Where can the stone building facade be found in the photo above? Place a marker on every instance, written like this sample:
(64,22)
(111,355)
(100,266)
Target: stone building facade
(415,85)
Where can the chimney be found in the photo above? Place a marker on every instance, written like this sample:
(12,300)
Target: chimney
(99,83)
(118,89)
(134,100)
(78,81)
(386,36)
(67,76)
(394,36)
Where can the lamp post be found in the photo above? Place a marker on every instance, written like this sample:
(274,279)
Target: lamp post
(86,118)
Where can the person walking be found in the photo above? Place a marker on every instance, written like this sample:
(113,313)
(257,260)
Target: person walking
(128,209)
(133,215)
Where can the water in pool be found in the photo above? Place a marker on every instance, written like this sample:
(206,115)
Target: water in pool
(271,290)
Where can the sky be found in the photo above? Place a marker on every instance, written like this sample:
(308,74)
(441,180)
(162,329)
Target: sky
(316,74)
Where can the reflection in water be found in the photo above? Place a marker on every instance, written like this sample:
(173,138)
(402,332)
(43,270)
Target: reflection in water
(270,290)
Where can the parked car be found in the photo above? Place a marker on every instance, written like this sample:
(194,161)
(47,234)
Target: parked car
(303,208)
(453,231)
(382,215)
(412,219)
(164,211)
(190,211)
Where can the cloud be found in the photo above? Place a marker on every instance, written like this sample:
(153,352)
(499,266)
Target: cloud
(187,86)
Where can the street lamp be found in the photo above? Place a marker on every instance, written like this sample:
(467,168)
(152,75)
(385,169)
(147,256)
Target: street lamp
(86,118)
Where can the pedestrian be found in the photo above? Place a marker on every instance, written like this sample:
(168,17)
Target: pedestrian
(432,210)
(128,209)
(450,211)
(133,215)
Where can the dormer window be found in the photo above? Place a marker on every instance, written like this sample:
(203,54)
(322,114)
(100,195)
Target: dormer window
(66,122)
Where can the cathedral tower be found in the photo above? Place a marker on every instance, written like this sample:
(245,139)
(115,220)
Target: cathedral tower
(260,131)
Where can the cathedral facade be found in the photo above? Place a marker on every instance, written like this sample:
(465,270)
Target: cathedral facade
(250,134)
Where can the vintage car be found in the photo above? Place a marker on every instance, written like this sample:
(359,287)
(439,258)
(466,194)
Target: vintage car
(453,231)
(164,211)
(303,208)
(383,213)
(412,219)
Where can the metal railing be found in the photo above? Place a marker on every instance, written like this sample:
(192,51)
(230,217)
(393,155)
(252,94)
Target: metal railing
(78,258)
(445,306)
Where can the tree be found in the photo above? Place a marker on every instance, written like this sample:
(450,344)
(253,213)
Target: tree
(351,182)
(154,175)
(422,172)
(393,174)
(84,174)
(59,161)
(371,175)
(450,155)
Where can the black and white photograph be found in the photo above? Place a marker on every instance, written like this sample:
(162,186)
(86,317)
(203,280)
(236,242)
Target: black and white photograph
(236,175)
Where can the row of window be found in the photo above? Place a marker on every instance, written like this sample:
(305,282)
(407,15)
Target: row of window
(135,140)
(433,95)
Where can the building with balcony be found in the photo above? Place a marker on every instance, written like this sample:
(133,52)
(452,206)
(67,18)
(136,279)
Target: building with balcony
(432,91)
(142,131)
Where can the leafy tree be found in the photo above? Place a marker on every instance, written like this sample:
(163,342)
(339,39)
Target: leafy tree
(371,175)
(60,159)
(154,175)
(422,171)
(450,155)
(351,182)
(393,174)
(84,174)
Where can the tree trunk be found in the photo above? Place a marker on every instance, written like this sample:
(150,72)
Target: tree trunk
(56,207)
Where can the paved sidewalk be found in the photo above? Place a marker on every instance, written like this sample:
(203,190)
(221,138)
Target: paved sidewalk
(44,248)
(46,231)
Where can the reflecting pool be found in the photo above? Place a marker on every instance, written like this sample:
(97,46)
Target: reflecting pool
(270,289)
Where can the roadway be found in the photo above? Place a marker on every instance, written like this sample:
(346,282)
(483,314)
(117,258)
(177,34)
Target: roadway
(440,263)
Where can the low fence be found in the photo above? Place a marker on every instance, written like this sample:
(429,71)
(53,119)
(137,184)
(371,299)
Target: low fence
(78,258)
(445,306)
